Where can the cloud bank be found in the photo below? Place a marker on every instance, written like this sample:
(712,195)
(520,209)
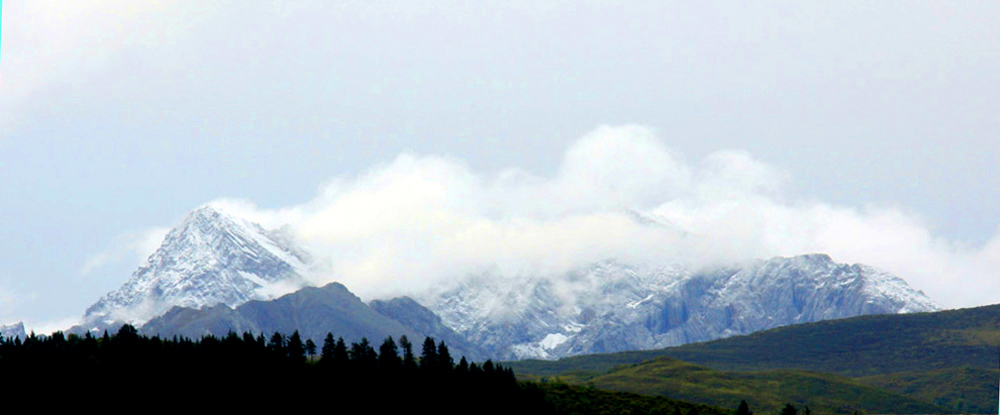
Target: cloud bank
(422,221)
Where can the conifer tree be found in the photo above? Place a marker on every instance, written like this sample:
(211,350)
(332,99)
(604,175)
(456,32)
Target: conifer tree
(277,344)
(388,355)
(326,354)
(340,355)
(789,410)
(296,351)
(310,348)
(409,361)
(428,356)
(445,362)
(363,356)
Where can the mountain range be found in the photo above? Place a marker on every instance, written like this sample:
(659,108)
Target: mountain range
(217,272)
(616,307)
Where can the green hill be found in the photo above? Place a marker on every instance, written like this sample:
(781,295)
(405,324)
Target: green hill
(944,357)
(766,392)
(579,400)
(962,389)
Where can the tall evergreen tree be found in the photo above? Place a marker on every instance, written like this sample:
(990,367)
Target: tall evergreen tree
(363,356)
(428,356)
(296,350)
(277,344)
(409,361)
(445,362)
(340,355)
(388,356)
(326,354)
(310,348)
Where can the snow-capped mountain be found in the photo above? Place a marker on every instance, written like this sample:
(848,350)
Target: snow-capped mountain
(214,258)
(11,331)
(211,258)
(611,307)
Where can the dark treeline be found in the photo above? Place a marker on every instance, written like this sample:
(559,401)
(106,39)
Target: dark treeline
(258,373)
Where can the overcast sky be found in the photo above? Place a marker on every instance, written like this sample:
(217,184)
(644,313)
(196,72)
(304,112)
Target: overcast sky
(866,129)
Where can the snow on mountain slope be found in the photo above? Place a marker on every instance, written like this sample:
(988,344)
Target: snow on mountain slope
(211,258)
(11,331)
(611,307)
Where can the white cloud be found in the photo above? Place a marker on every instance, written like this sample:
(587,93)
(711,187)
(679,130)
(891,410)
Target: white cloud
(419,221)
(133,246)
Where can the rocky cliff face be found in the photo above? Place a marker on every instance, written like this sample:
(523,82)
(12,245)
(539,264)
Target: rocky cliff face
(612,307)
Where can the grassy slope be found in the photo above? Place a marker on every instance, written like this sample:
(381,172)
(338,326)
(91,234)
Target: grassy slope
(579,400)
(965,390)
(766,392)
(917,354)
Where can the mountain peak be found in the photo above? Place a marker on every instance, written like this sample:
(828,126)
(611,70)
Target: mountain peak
(206,213)
(210,258)
(816,257)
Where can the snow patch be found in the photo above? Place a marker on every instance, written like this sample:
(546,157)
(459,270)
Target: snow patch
(553,340)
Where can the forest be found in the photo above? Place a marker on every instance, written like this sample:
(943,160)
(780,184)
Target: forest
(283,372)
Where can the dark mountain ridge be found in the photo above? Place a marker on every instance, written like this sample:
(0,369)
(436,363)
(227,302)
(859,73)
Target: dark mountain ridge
(313,312)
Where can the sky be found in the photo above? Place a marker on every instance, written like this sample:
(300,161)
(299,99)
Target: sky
(458,135)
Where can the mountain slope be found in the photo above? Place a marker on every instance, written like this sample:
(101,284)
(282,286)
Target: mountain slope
(415,316)
(312,311)
(965,390)
(211,258)
(611,306)
(948,358)
(859,346)
(766,392)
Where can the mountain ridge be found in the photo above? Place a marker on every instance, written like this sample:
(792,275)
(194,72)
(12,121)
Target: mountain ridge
(313,312)
(622,307)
